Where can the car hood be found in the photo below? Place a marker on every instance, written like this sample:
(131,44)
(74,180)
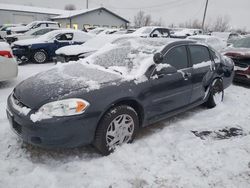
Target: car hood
(237,52)
(61,81)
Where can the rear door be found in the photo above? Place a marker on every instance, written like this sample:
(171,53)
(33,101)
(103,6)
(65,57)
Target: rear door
(171,91)
(202,72)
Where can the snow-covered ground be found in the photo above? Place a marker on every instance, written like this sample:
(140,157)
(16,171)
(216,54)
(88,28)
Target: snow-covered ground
(168,154)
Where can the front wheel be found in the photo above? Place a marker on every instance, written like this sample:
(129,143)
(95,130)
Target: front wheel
(40,56)
(118,126)
(216,93)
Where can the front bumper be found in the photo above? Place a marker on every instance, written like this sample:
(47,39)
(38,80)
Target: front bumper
(23,54)
(64,132)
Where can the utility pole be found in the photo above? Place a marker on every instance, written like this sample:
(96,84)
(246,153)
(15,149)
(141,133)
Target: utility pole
(87,4)
(204,17)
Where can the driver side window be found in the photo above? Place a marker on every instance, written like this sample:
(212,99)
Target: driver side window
(65,37)
(177,57)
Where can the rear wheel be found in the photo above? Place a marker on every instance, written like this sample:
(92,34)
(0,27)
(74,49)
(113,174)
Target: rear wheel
(40,56)
(118,126)
(216,93)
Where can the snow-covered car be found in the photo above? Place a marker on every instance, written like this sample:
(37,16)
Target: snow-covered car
(228,37)
(213,41)
(4,28)
(32,25)
(76,52)
(96,31)
(33,33)
(8,64)
(152,31)
(239,52)
(104,99)
(186,32)
(42,49)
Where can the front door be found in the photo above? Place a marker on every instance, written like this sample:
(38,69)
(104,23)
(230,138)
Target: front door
(170,92)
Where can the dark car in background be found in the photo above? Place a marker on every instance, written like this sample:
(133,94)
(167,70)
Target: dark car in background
(239,52)
(42,49)
(105,98)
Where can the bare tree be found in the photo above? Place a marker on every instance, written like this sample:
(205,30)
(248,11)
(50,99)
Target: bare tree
(70,7)
(158,22)
(221,24)
(142,19)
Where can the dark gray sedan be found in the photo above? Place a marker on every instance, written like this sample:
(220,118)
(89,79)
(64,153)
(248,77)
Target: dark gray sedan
(104,99)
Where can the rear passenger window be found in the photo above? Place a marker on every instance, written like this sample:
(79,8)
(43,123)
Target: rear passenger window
(177,57)
(199,54)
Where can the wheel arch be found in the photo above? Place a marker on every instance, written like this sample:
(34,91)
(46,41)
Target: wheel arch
(137,106)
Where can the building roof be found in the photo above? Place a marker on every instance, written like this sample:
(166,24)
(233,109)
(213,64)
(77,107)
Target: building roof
(23,8)
(74,13)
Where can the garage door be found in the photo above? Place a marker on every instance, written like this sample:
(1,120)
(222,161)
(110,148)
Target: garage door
(20,18)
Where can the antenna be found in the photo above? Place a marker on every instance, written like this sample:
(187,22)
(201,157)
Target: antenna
(87,4)
(204,17)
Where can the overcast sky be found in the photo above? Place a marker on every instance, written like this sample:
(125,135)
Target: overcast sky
(170,11)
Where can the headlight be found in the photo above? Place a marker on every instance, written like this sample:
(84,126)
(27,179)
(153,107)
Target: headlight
(67,107)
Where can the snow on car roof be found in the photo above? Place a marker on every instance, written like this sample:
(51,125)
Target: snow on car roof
(23,8)
(130,56)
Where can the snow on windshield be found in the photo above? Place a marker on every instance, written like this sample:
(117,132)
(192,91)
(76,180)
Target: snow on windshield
(130,57)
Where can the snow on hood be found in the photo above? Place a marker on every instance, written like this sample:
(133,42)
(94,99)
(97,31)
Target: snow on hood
(27,42)
(61,81)
(131,56)
(91,45)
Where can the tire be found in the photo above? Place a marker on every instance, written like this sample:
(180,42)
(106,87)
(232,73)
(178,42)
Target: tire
(40,56)
(112,129)
(216,94)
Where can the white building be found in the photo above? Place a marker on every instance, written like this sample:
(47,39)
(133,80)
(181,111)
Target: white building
(99,17)
(10,13)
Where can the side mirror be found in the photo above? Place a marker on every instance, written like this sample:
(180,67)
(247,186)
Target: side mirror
(158,58)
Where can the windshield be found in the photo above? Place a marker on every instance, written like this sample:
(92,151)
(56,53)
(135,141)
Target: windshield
(242,43)
(30,25)
(130,57)
(50,35)
(96,31)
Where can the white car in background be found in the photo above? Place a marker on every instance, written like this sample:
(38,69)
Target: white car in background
(76,52)
(33,33)
(4,28)
(215,42)
(228,37)
(32,25)
(152,31)
(8,65)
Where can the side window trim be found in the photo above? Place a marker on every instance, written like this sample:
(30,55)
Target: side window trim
(187,50)
(210,55)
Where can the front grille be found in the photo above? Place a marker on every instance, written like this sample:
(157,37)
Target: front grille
(17,127)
